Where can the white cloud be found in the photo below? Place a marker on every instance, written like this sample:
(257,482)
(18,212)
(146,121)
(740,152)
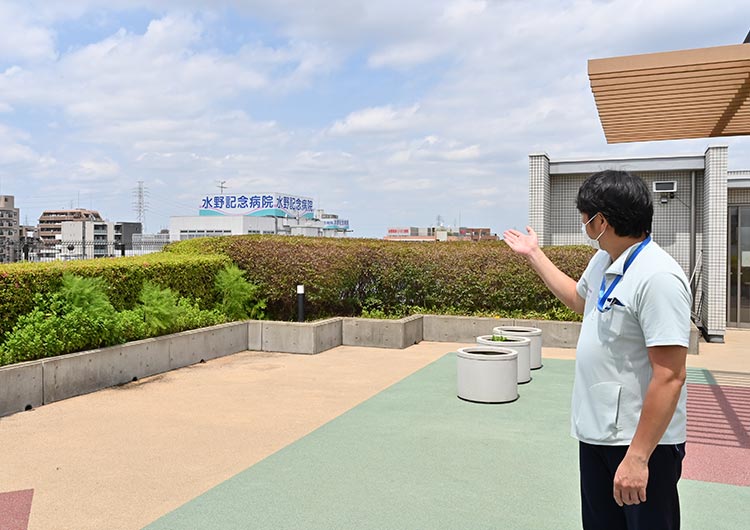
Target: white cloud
(376,120)
(23,39)
(403,184)
(14,150)
(462,9)
(159,73)
(97,168)
(406,54)
(434,149)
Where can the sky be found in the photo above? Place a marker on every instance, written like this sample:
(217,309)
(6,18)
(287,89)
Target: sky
(387,113)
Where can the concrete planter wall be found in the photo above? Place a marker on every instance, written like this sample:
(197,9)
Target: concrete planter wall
(21,387)
(377,333)
(302,337)
(439,328)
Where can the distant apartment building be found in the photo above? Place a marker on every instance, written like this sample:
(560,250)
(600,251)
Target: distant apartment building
(88,239)
(126,233)
(439,233)
(50,222)
(9,229)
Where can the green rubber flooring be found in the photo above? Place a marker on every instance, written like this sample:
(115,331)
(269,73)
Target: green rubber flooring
(416,457)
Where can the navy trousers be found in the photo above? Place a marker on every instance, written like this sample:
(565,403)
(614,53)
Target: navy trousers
(661,511)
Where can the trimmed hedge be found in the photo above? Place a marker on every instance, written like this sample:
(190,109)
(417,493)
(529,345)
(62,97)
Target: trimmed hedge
(343,277)
(190,276)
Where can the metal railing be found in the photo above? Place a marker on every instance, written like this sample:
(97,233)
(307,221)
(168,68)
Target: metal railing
(37,250)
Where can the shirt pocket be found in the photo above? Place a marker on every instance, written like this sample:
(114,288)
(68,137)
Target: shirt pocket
(612,322)
(597,417)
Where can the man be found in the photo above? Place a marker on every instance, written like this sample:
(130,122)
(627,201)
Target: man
(629,398)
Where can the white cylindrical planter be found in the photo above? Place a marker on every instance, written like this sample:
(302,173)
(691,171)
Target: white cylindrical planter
(522,345)
(535,334)
(487,374)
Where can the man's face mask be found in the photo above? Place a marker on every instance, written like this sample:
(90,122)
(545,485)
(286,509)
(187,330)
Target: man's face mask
(593,242)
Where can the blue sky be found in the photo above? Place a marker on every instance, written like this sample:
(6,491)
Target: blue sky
(387,113)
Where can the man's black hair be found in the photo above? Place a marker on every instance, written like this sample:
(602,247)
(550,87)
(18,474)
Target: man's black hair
(623,199)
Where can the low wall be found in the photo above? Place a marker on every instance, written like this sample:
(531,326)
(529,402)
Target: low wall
(379,333)
(27,385)
(21,387)
(441,328)
(301,337)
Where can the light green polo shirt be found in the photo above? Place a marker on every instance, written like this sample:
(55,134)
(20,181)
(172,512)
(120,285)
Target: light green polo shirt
(613,370)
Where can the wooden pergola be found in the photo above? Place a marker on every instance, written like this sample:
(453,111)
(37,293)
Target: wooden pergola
(697,93)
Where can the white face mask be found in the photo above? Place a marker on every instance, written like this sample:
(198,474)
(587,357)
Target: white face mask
(593,242)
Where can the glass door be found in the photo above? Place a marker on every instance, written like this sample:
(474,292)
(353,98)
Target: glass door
(738,299)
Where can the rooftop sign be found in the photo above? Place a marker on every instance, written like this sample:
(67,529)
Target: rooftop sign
(258,205)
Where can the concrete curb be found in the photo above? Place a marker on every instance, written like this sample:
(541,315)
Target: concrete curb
(35,383)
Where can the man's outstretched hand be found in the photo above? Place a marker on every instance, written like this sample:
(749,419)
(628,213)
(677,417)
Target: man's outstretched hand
(522,243)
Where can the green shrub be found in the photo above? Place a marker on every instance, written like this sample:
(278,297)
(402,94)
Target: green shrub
(239,298)
(132,325)
(190,316)
(350,277)
(45,334)
(191,276)
(79,317)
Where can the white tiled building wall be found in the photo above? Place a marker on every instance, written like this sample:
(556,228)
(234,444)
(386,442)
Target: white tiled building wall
(671,224)
(563,213)
(714,284)
(539,196)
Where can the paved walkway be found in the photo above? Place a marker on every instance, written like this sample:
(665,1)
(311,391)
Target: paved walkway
(125,457)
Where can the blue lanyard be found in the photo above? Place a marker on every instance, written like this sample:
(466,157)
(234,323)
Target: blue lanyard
(604,295)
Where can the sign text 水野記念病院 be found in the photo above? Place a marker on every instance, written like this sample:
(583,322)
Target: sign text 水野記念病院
(261,204)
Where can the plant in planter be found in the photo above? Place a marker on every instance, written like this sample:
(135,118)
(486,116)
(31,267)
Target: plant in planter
(534,334)
(520,344)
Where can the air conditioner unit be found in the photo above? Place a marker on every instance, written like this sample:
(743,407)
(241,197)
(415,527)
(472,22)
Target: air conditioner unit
(665,186)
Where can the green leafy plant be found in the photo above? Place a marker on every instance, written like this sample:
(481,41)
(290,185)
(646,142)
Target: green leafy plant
(79,317)
(132,325)
(88,294)
(239,299)
(192,317)
(43,333)
(498,338)
(160,309)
